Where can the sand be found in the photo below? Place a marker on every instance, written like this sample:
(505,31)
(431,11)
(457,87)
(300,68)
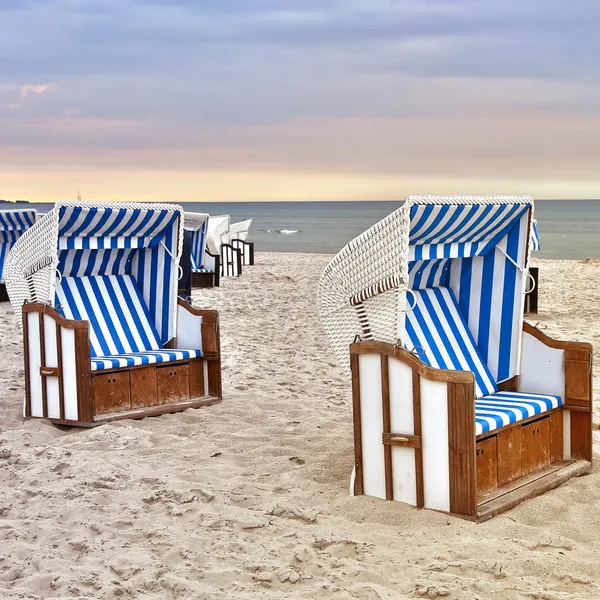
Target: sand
(249,498)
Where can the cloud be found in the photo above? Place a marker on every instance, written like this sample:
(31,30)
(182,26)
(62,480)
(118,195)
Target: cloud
(330,85)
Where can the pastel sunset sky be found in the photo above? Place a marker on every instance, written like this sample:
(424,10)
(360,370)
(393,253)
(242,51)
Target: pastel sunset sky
(204,100)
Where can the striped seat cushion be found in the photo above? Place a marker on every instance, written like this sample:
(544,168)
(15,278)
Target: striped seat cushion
(503,408)
(100,363)
(203,270)
(122,333)
(120,322)
(436,329)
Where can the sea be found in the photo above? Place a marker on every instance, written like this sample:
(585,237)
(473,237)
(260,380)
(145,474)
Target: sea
(569,229)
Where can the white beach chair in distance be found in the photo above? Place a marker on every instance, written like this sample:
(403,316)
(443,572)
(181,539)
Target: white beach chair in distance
(532,295)
(105,335)
(238,233)
(219,244)
(12,225)
(205,266)
(459,405)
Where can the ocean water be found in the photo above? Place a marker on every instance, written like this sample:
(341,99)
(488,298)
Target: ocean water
(568,228)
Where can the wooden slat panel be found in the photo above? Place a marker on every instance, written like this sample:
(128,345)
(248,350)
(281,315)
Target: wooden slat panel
(385,407)
(173,384)
(196,371)
(61,383)
(461,441)
(26,361)
(43,362)
(358,468)
(416,390)
(143,387)
(509,455)
(85,406)
(581,435)
(556,436)
(111,393)
(487,465)
(535,446)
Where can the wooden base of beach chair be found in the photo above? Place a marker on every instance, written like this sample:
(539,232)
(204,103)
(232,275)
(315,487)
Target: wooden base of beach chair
(61,387)
(246,250)
(3,293)
(531,298)
(415,429)
(211,278)
(231,261)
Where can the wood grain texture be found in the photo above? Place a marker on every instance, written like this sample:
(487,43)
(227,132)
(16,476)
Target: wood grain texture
(61,383)
(535,446)
(461,442)
(385,407)
(487,465)
(581,435)
(356,416)
(85,403)
(173,384)
(196,372)
(26,364)
(111,393)
(43,363)
(416,391)
(509,455)
(412,361)
(556,436)
(143,387)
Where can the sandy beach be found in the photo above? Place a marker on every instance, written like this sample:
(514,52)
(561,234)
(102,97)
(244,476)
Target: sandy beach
(249,498)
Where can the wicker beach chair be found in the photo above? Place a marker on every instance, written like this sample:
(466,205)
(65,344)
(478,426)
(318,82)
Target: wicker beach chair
(219,244)
(12,225)
(205,266)
(459,405)
(106,337)
(238,234)
(531,296)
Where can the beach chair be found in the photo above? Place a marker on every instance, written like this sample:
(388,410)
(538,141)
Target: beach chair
(459,405)
(219,244)
(12,225)
(205,266)
(238,233)
(531,296)
(105,335)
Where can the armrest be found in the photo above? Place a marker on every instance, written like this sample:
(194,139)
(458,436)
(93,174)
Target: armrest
(550,366)
(45,309)
(414,362)
(197,328)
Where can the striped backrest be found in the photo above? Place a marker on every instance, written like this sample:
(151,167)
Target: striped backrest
(120,322)
(197,246)
(436,329)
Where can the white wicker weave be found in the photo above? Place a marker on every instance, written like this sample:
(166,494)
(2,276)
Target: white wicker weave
(362,291)
(31,265)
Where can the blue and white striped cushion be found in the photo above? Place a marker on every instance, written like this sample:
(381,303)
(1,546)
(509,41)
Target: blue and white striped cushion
(436,328)
(503,408)
(142,358)
(203,270)
(119,320)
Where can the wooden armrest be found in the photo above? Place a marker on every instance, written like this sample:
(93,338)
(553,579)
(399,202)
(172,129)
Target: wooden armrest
(39,307)
(209,328)
(413,361)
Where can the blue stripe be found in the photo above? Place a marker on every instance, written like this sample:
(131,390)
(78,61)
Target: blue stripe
(485,305)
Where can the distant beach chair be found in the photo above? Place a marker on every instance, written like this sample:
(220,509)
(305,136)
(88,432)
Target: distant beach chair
(238,233)
(12,225)
(219,244)
(531,296)
(95,288)
(459,405)
(205,266)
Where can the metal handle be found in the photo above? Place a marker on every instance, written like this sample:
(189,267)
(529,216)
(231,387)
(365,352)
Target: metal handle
(398,438)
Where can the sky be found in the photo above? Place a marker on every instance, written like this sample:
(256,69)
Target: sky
(198,100)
